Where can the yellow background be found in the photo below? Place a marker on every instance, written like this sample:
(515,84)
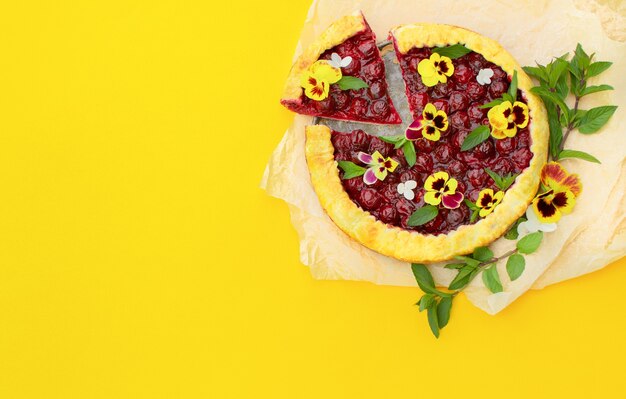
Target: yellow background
(138,258)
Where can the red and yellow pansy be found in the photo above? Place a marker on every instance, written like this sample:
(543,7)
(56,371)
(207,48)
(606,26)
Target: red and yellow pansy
(441,189)
(559,198)
(379,166)
(506,118)
(487,201)
(317,79)
(429,125)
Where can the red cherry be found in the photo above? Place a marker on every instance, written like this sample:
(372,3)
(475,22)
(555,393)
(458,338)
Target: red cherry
(388,214)
(521,157)
(504,146)
(377,90)
(379,108)
(476,91)
(443,153)
(404,207)
(441,105)
(456,168)
(375,70)
(370,199)
(458,101)
(460,120)
(462,73)
(477,177)
(423,163)
(497,88)
(377,144)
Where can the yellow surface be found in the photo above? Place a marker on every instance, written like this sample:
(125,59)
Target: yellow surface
(130,269)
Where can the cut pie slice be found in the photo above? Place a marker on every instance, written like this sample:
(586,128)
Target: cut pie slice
(370,191)
(321,81)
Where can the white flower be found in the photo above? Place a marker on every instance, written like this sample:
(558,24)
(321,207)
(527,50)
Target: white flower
(338,62)
(533,224)
(484,76)
(407,188)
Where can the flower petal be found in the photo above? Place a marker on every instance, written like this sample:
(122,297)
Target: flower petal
(431,133)
(546,211)
(335,60)
(409,194)
(365,158)
(498,116)
(485,198)
(346,61)
(426,67)
(445,66)
(452,201)
(441,121)
(565,201)
(401,188)
(432,198)
(520,114)
(429,112)
(430,81)
(369,177)
(324,71)
(377,158)
(436,181)
(410,184)
(451,186)
(391,164)
(555,176)
(380,172)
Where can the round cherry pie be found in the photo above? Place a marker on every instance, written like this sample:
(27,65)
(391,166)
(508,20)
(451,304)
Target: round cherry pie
(466,167)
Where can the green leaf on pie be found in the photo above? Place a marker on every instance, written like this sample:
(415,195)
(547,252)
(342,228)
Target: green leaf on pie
(597,68)
(515,266)
(513,87)
(477,136)
(578,154)
(491,278)
(470,204)
(400,144)
(452,52)
(408,148)
(443,311)
(595,118)
(423,215)
(351,83)
(392,139)
(595,89)
(492,104)
(502,182)
(530,243)
(581,57)
(482,254)
(350,169)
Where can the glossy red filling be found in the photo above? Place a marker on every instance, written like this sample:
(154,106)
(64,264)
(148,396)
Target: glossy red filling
(371,104)
(460,98)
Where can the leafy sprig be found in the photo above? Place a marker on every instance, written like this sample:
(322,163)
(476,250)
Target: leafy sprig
(350,169)
(502,182)
(351,83)
(482,261)
(408,148)
(557,80)
(454,51)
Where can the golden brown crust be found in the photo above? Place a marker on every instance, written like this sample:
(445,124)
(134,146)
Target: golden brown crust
(412,246)
(337,33)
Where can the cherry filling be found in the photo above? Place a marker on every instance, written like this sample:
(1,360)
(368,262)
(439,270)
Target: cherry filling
(371,104)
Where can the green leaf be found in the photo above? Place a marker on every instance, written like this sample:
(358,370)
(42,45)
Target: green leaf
(492,279)
(597,68)
(492,104)
(483,254)
(464,277)
(351,83)
(502,182)
(515,266)
(426,301)
(549,96)
(392,139)
(562,88)
(595,89)
(452,52)
(468,260)
(470,204)
(350,169)
(408,148)
(423,215)
(477,136)
(496,177)
(508,97)
(432,321)
(578,154)
(474,215)
(443,311)
(530,243)
(399,144)
(425,280)
(556,130)
(454,265)
(595,118)
(558,67)
(536,73)
(513,87)
(512,234)
(582,57)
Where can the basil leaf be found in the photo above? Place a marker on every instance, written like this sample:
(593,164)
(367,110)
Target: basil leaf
(422,276)
(492,279)
(351,83)
(492,104)
(582,57)
(463,278)
(536,73)
(483,254)
(432,320)
(470,204)
(512,234)
(513,87)
(508,180)
(595,118)
(556,130)
(496,177)
(558,67)
(562,88)
(408,148)
(454,265)
(530,243)
(443,311)
(515,266)
(399,144)
(477,136)
(452,52)
(554,98)
(578,154)
(350,169)
(468,260)
(392,139)
(508,97)
(426,301)
(595,89)
(597,68)
(423,215)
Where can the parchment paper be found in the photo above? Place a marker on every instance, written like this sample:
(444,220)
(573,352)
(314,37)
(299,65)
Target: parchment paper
(591,237)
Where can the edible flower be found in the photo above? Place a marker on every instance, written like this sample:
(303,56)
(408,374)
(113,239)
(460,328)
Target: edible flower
(506,118)
(532,224)
(560,197)
(441,189)
(435,69)
(429,125)
(484,76)
(379,166)
(338,62)
(317,79)
(487,201)
(406,189)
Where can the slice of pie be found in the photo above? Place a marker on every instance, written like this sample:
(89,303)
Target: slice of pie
(322,80)
(370,191)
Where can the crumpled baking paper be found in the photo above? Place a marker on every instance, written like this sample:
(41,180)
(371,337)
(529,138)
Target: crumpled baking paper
(593,236)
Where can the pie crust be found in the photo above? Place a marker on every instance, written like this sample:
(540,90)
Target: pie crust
(412,246)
